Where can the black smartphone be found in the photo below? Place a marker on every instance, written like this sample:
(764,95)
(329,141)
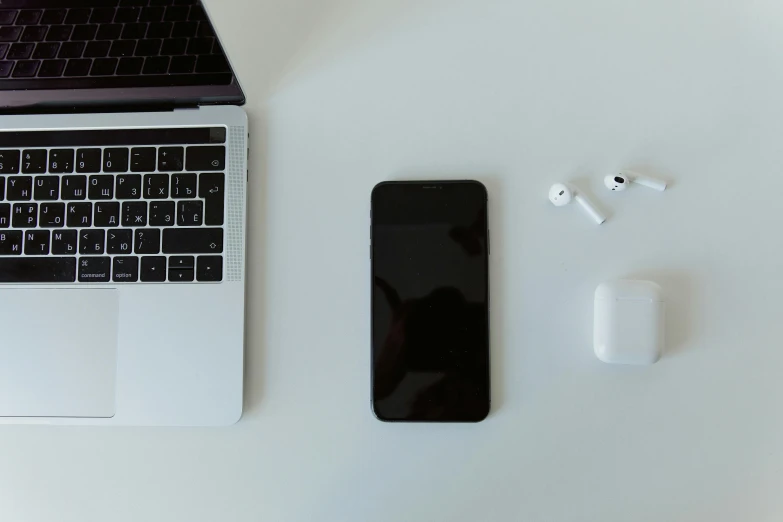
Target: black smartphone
(430,301)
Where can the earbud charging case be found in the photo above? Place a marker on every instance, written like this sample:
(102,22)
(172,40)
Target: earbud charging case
(630,321)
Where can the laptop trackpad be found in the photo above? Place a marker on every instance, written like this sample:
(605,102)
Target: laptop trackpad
(58,352)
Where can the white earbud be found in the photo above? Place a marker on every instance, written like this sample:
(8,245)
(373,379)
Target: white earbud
(620,182)
(561,194)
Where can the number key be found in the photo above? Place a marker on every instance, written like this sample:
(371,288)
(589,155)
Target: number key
(115,160)
(88,160)
(9,161)
(61,161)
(34,161)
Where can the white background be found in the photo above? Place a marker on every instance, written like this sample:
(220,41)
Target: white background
(519,94)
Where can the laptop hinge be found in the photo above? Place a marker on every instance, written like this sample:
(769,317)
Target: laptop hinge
(92,109)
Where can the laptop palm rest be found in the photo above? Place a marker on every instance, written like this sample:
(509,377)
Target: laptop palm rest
(58,352)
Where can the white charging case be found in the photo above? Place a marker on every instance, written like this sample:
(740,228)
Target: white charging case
(630,321)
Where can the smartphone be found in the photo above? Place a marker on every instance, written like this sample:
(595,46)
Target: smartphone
(430,301)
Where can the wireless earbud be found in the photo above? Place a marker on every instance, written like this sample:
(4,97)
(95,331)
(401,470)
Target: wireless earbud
(619,182)
(561,194)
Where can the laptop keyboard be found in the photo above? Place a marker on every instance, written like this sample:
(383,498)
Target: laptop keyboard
(120,206)
(110,43)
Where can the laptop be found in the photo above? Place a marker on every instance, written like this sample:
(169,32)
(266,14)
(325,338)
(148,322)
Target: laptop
(123,174)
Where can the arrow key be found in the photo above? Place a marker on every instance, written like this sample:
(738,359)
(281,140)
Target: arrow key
(153,269)
(209,268)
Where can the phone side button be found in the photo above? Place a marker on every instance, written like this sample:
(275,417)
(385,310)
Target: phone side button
(489,247)
(370,252)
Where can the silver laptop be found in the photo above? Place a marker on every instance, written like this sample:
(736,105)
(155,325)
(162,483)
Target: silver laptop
(123,172)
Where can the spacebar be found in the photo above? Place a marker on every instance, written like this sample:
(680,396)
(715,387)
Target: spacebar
(37,269)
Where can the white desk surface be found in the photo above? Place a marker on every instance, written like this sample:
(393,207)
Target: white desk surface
(345,93)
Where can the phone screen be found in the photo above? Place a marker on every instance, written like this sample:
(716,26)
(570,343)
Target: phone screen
(430,302)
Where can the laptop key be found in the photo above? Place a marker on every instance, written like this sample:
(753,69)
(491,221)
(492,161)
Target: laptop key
(7,16)
(190,213)
(182,64)
(59,33)
(130,66)
(156,186)
(9,33)
(101,187)
(88,160)
(20,51)
(28,17)
(26,68)
(211,189)
(5,68)
(103,67)
(34,33)
(92,242)
(134,214)
(10,243)
(2,188)
(119,241)
(156,65)
(46,50)
(71,50)
(36,243)
(77,16)
(97,49)
(78,67)
(74,187)
(64,242)
(161,213)
(209,268)
(79,215)
(5,215)
(109,32)
(115,160)
(125,269)
(34,161)
(171,159)
(9,161)
(107,214)
(143,159)
(205,158)
(121,48)
(84,32)
(53,16)
(94,269)
(147,241)
(51,68)
(128,186)
(192,240)
(61,161)
(47,188)
(183,186)
(181,275)
(37,269)
(24,215)
(52,215)
(153,269)
(19,188)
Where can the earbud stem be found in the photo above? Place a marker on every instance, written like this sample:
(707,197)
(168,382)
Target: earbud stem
(655,184)
(590,208)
